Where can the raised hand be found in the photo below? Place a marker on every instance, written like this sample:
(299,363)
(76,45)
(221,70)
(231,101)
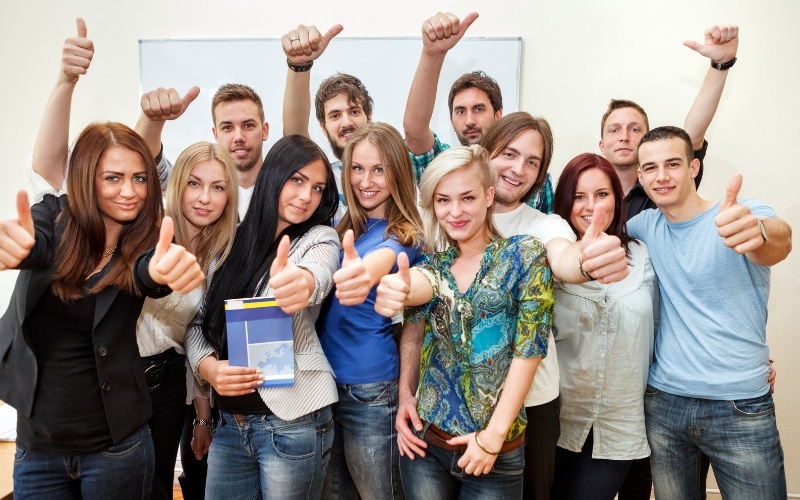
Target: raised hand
(353,281)
(166,104)
(394,289)
(173,265)
(76,56)
(16,235)
(305,43)
(443,31)
(735,223)
(602,255)
(290,284)
(720,43)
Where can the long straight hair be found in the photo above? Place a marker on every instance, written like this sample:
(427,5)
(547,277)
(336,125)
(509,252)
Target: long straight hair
(246,271)
(83,238)
(402,215)
(216,239)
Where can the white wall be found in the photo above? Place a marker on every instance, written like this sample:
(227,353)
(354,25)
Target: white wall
(576,56)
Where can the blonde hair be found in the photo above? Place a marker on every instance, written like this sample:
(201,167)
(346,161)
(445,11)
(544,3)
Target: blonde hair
(402,216)
(473,158)
(216,239)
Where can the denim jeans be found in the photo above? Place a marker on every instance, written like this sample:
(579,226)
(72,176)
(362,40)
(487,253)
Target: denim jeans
(257,456)
(123,470)
(437,476)
(579,476)
(365,458)
(739,438)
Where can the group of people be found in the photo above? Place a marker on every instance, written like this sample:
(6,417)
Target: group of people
(460,329)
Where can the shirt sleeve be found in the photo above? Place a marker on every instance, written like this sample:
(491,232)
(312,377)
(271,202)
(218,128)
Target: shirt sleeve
(542,200)
(421,162)
(534,295)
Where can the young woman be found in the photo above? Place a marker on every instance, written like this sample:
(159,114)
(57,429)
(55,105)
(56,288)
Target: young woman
(274,442)
(604,335)
(487,303)
(382,220)
(70,364)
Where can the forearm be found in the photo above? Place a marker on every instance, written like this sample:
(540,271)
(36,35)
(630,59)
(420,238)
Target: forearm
(517,384)
(150,131)
(421,100)
(410,349)
(297,103)
(565,258)
(777,246)
(705,106)
(52,140)
(420,290)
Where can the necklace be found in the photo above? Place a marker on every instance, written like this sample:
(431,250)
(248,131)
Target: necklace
(108,252)
(378,221)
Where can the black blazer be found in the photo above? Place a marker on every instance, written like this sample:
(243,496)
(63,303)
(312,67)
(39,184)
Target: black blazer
(120,372)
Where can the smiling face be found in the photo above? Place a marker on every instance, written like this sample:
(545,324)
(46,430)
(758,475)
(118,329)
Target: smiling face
(517,168)
(205,195)
(121,185)
(460,203)
(622,131)
(666,173)
(472,115)
(368,178)
(593,187)
(239,129)
(301,194)
(342,118)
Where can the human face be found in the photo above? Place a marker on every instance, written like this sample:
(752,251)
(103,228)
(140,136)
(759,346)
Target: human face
(205,195)
(622,132)
(239,129)
(121,184)
(517,167)
(460,203)
(593,187)
(368,179)
(301,194)
(342,118)
(472,114)
(666,174)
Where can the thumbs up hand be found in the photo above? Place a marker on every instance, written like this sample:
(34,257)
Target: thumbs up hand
(602,255)
(353,281)
(173,265)
(393,289)
(76,56)
(291,285)
(16,235)
(735,223)
(166,104)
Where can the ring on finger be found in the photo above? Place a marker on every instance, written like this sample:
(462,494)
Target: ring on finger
(294,39)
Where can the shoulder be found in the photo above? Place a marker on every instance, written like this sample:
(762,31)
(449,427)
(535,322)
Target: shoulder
(319,234)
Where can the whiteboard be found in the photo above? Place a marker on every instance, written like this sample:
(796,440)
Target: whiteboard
(386,66)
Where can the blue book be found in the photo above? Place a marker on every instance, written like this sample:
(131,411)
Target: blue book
(260,336)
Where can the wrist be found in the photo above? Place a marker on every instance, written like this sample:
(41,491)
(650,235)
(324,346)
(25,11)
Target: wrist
(299,67)
(204,422)
(723,66)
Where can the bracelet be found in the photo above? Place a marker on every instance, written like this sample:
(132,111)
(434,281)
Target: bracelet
(480,445)
(723,66)
(203,421)
(584,273)
(299,68)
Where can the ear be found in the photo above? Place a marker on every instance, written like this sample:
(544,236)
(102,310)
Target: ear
(602,147)
(694,166)
(639,174)
(214,131)
(498,114)
(265,131)
(489,196)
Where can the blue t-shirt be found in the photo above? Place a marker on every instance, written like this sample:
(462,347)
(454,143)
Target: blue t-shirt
(358,341)
(711,339)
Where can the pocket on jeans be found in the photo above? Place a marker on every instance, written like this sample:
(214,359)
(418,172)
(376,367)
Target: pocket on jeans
(124,447)
(754,407)
(651,391)
(370,393)
(20,455)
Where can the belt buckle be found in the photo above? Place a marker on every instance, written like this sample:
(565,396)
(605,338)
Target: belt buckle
(153,373)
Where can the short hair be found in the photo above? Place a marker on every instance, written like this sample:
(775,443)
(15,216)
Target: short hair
(402,215)
(83,240)
(473,158)
(342,83)
(232,92)
(616,104)
(500,134)
(669,132)
(480,81)
(216,239)
(564,197)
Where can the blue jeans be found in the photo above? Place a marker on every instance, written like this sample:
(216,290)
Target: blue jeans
(579,476)
(365,457)
(257,456)
(123,470)
(739,438)
(437,476)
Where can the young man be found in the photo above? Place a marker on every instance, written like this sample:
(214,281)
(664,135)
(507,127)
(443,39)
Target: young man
(475,101)
(711,360)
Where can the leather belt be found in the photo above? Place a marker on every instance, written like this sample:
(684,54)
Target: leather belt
(157,367)
(439,438)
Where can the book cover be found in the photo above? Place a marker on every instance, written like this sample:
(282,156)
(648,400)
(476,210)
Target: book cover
(260,336)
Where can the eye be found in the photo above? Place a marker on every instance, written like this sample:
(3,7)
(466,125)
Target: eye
(648,168)
(319,189)
(479,109)
(296,180)
(356,112)
(602,194)
(579,197)
(508,154)
(378,170)
(140,179)
(226,128)
(112,178)
(533,164)
(358,169)
(193,183)
(459,111)
(612,130)
(219,187)
(334,116)
(249,125)
(468,198)
(442,200)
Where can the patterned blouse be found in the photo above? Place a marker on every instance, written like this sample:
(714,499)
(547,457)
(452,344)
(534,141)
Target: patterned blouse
(471,338)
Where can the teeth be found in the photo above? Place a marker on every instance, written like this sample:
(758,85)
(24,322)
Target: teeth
(514,183)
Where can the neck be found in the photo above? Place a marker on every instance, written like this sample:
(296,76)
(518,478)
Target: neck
(248,179)
(690,209)
(502,208)
(627,177)
(475,245)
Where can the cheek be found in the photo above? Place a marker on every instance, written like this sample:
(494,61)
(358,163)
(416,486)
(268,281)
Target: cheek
(141,190)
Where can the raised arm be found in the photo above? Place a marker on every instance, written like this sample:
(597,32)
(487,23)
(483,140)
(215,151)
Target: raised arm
(720,44)
(52,140)
(440,33)
(158,106)
(302,47)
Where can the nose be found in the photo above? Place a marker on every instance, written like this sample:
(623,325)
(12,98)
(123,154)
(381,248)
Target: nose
(347,120)
(205,195)
(366,180)
(126,190)
(238,134)
(455,208)
(624,135)
(305,193)
(470,118)
(518,166)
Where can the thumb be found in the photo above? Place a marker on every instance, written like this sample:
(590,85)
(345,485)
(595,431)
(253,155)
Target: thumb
(24,212)
(349,248)
(165,236)
(467,21)
(731,192)
(695,46)
(601,218)
(190,96)
(332,32)
(81,24)
(402,268)
(281,256)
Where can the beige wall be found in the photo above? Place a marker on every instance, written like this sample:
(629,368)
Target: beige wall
(576,56)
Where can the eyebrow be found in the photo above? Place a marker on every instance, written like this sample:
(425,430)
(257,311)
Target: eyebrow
(459,194)
(517,151)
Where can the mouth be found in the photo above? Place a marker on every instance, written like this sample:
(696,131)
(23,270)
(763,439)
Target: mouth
(201,211)
(240,152)
(587,219)
(457,224)
(127,206)
(368,194)
(346,134)
(511,181)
